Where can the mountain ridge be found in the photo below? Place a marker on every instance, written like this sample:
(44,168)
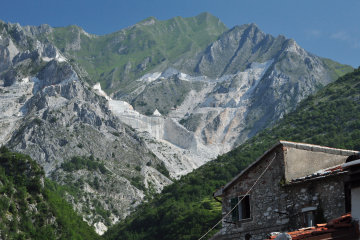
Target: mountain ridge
(53,110)
(153,33)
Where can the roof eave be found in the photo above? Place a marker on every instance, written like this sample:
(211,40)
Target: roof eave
(350,164)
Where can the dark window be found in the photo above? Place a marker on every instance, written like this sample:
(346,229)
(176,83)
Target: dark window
(347,197)
(309,218)
(242,211)
(235,212)
(245,207)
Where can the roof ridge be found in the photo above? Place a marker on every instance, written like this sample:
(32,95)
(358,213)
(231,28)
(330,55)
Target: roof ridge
(318,148)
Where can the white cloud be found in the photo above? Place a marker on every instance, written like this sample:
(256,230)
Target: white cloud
(341,35)
(347,38)
(314,33)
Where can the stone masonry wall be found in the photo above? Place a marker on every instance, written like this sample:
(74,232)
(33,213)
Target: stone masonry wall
(327,194)
(277,206)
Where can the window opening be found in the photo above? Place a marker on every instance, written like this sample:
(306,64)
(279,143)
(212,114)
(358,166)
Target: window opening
(309,216)
(242,211)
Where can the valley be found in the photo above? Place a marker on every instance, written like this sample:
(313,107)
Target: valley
(117,119)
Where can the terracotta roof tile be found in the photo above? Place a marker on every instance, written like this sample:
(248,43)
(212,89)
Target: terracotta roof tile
(340,228)
(332,171)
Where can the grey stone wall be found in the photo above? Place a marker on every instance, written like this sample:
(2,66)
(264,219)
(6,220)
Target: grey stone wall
(277,206)
(327,194)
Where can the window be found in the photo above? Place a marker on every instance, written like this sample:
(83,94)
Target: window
(242,211)
(309,216)
(309,219)
(248,236)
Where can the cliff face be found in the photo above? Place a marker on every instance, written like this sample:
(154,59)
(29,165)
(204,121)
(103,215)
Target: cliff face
(222,85)
(238,85)
(50,113)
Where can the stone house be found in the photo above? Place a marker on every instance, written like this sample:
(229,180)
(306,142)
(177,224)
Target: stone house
(297,185)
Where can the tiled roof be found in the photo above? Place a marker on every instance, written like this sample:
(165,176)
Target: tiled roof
(332,171)
(340,228)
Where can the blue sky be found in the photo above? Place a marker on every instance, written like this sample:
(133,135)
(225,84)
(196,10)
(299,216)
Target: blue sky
(327,28)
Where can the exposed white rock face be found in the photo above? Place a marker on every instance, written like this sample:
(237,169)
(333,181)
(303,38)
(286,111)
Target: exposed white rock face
(183,150)
(7,53)
(65,119)
(177,147)
(48,52)
(225,108)
(156,113)
(55,118)
(97,87)
(228,107)
(231,107)
(49,113)
(148,78)
(295,48)
(12,101)
(154,179)
(249,80)
(100,228)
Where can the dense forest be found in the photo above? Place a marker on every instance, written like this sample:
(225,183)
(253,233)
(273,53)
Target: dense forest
(185,210)
(31,206)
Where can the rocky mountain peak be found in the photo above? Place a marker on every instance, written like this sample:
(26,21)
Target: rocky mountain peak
(246,29)
(148,21)
(290,45)
(234,50)
(206,16)
(50,113)
(189,88)
(37,30)
(249,79)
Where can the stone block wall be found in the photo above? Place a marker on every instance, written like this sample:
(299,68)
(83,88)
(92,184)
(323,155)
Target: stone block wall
(277,206)
(326,194)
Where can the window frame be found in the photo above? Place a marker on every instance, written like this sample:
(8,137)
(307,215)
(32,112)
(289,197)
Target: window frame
(241,216)
(309,212)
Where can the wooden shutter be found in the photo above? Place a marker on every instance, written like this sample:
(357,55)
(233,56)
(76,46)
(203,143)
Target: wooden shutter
(235,212)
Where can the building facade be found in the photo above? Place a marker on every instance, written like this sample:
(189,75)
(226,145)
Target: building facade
(297,185)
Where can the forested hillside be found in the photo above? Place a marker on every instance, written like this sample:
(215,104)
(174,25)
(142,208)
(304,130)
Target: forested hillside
(30,206)
(186,210)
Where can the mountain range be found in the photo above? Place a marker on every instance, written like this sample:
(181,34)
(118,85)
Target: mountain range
(186,208)
(116,118)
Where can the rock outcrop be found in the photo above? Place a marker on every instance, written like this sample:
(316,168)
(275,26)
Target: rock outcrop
(50,113)
(241,83)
